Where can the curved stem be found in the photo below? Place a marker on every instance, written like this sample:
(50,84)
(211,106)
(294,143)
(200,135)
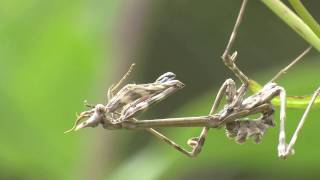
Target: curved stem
(305,16)
(295,22)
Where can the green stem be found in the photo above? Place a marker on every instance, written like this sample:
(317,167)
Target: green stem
(296,23)
(305,16)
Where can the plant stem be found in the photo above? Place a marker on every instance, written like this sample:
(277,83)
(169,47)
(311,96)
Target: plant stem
(305,16)
(296,23)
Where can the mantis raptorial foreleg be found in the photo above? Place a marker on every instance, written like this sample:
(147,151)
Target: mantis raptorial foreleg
(229,84)
(296,102)
(228,88)
(283,149)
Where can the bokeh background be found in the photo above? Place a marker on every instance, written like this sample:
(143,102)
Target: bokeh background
(55,54)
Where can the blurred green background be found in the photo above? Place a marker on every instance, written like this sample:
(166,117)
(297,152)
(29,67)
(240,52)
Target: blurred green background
(55,54)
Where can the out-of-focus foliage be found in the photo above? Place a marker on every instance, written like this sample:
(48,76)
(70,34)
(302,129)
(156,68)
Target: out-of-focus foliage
(51,53)
(301,25)
(55,54)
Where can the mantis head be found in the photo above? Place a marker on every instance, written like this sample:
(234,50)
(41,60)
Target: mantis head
(93,118)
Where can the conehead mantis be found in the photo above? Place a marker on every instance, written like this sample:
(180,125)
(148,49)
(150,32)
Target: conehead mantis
(122,108)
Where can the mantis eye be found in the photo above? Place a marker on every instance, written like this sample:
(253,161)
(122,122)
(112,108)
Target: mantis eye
(166,77)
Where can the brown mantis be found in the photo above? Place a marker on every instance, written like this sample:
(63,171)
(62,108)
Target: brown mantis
(123,107)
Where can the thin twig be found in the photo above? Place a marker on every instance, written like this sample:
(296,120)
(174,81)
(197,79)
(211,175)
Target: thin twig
(294,21)
(305,15)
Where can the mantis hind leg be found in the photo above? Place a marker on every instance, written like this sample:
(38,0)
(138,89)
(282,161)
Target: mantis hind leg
(285,150)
